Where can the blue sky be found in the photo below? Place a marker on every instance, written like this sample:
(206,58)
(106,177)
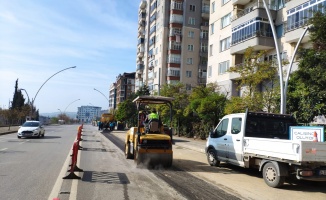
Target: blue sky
(38,38)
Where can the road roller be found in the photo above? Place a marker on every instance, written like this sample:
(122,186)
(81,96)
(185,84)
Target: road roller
(150,143)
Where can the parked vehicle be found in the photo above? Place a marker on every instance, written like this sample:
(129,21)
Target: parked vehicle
(31,129)
(261,140)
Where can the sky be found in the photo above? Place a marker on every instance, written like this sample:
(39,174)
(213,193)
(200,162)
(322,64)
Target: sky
(39,38)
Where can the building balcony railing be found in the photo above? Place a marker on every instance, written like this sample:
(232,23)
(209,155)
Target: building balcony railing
(296,25)
(174,60)
(256,5)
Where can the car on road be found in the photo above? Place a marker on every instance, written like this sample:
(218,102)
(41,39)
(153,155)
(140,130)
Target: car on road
(31,129)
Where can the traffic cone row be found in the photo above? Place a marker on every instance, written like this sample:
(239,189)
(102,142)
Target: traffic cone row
(73,166)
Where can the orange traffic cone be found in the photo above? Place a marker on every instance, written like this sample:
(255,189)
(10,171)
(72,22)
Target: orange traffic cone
(315,137)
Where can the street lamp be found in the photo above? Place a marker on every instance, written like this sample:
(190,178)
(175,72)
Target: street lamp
(290,65)
(271,22)
(26,94)
(32,104)
(70,104)
(103,95)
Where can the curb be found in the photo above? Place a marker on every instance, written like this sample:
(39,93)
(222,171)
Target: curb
(8,132)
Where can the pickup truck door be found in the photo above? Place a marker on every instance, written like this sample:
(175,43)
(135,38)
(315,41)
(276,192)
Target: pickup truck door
(217,139)
(234,140)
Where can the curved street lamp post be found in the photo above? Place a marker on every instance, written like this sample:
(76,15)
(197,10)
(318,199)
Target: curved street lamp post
(69,105)
(104,96)
(33,99)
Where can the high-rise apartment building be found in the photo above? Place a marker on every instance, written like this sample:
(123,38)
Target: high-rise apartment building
(172,43)
(237,24)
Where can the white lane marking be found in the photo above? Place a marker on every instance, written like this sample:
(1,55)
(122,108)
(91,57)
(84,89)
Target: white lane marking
(74,184)
(3,149)
(58,183)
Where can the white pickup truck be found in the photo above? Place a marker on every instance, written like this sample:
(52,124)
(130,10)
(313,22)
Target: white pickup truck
(261,140)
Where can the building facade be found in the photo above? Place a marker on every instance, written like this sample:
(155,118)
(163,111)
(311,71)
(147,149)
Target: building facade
(125,86)
(172,43)
(86,114)
(113,96)
(237,24)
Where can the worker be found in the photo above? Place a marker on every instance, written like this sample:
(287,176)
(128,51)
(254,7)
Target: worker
(152,115)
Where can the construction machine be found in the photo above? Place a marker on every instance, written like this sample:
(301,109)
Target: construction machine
(106,119)
(150,143)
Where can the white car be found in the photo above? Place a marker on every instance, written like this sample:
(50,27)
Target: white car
(31,129)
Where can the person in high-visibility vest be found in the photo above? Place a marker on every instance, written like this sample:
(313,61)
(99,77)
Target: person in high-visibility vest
(153,115)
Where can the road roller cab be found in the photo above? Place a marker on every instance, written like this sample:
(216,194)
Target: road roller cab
(151,142)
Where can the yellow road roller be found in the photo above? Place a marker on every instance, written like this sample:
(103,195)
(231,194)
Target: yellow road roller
(150,143)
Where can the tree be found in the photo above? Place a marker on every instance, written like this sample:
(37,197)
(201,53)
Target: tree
(127,112)
(179,104)
(258,80)
(208,104)
(18,99)
(306,88)
(143,90)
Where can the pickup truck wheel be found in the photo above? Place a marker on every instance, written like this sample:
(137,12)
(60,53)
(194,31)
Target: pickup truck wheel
(211,158)
(270,176)
(127,151)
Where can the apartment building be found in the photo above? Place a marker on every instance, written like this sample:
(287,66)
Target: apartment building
(113,96)
(237,24)
(172,43)
(125,85)
(86,114)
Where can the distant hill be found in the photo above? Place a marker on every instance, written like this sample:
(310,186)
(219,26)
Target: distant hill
(56,114)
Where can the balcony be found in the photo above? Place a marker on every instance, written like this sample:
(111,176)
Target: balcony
(257,10)
(142,5)
(140,67)
(205,13)
(257,41)
(140,54)
(241,2)
(293,32)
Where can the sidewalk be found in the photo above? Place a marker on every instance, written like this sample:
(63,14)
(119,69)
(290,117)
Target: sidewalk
(4,130)
(190,143)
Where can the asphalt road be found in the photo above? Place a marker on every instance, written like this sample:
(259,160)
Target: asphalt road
(33,169)
(29,167)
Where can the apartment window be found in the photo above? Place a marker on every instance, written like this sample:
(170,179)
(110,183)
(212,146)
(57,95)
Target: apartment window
(225,44)
(189,61)
(279,31)
(172,72)
(209,71)
(176,31)
(204,47)
(192,21)
(299,16)
(188,86)
(176,5)
(225,1)
(223,67)
(175,45)
(190,47)
(192,8)
(211,50)
(226,20)
(257,27)
(188,74)
(213,6)
(204,34)
(212,28)
(191,34)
